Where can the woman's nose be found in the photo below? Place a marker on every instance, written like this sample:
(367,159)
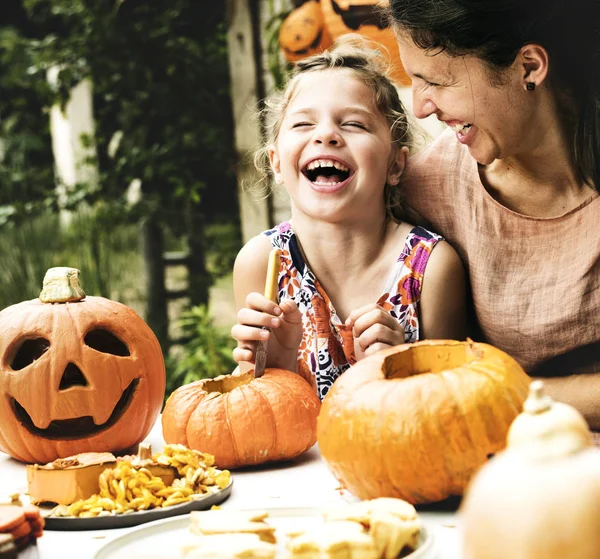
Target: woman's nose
(423,106)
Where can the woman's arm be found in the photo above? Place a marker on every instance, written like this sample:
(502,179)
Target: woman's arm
(574,378)
(581,391)
(442,309)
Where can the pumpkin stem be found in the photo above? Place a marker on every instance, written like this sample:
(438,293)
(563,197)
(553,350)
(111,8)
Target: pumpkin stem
(61,285)
(537,400)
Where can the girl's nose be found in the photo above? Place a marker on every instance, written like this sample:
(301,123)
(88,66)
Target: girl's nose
(327,134)
(423,106)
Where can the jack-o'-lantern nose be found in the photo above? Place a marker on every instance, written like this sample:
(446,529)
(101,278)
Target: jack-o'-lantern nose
(72,377)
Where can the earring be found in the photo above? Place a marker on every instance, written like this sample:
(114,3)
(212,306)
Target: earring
(530,86)
(278,179)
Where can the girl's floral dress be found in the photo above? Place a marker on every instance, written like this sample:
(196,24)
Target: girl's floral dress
(327,347)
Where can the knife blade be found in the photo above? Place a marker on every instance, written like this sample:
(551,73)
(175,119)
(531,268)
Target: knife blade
(271,293)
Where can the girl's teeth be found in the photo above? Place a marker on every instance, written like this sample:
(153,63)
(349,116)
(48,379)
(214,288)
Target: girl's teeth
(326,163)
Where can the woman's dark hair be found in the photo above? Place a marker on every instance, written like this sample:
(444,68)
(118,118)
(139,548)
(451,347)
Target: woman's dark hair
(495,30)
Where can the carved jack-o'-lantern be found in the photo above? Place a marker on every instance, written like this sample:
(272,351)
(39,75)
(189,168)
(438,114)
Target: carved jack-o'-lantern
(303,32)
(77,374)
(365,18)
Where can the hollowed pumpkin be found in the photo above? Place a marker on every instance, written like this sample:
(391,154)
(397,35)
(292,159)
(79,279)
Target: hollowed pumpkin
(77,374)
(416,421)
(243,420)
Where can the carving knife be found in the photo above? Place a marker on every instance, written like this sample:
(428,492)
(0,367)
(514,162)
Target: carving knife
(271,292)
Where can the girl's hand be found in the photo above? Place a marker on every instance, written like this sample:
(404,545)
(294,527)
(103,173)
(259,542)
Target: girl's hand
(285,321)
(373,329)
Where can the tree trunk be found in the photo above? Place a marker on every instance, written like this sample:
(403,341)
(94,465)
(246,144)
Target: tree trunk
(199,280)
(156,298)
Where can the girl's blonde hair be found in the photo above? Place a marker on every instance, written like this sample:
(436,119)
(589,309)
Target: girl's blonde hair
(351,52)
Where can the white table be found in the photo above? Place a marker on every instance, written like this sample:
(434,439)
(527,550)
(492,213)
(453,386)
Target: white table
(304,483)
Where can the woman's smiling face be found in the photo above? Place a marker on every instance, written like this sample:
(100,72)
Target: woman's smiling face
(495,120)
(334,150)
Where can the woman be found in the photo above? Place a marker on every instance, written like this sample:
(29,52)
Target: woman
(513,184)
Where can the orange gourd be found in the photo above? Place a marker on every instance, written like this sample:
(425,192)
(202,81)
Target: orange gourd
(417,420)
(243,420)
(365,18)
(77,374)
(303,32)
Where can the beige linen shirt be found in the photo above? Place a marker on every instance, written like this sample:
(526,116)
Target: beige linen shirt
(535,281)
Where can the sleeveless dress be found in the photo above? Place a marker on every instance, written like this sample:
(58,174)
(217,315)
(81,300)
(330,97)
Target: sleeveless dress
(327,347)
(535,281)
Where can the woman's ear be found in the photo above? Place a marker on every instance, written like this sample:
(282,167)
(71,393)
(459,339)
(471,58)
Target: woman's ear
(533,64)
(397,165)
(275,163)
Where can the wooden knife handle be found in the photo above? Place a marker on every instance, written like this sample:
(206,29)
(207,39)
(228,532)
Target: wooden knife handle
(271,283)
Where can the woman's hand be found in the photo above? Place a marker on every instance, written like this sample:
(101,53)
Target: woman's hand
(284,320)
(373,329)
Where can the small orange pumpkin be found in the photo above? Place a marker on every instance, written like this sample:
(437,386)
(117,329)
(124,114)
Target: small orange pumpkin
(417,420)
(242,420)
(364,17)
(77,374)
(303,32)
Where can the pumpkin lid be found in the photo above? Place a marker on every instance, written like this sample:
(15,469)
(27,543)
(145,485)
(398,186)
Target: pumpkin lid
(61,285)
(548,429)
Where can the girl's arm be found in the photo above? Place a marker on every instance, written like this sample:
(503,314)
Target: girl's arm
(442,309)
(256,311)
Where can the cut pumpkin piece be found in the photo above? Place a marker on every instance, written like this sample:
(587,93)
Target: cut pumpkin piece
(340,539)
(392,523)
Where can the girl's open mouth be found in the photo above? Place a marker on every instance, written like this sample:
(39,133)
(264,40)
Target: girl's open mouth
(327,174)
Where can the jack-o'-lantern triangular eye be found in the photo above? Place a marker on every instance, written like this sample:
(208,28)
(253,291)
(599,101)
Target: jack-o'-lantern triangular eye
(28,352)
(106,342)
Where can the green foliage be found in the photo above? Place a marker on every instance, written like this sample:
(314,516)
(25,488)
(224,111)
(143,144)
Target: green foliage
(26,163)
(106,255)
(160,77)
(207,354)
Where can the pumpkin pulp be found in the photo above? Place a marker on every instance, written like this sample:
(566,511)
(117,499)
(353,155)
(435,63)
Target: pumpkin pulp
(419,360)
(227,383)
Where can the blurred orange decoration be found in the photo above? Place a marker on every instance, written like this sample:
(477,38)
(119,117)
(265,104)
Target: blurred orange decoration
(303,32)
(313,26)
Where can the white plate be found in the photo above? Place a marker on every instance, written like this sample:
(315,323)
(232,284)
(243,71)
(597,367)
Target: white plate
(163,539)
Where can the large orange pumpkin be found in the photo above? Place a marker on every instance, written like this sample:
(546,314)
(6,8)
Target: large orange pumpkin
(416,421)
(365,18)
(242,420)
(303,32)
(84,374)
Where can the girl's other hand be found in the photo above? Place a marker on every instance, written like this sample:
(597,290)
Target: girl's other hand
(373,329)
(284,320)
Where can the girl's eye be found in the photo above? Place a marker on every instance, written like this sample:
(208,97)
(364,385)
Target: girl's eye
(300,124)
(357,124)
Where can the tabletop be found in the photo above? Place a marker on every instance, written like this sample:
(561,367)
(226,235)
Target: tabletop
(304,482)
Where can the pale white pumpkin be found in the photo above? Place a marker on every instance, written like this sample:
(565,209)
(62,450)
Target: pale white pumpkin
(540,498)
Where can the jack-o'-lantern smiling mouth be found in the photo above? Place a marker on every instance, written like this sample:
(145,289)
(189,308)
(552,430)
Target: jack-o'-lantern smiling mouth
(327,172)
(77,427)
